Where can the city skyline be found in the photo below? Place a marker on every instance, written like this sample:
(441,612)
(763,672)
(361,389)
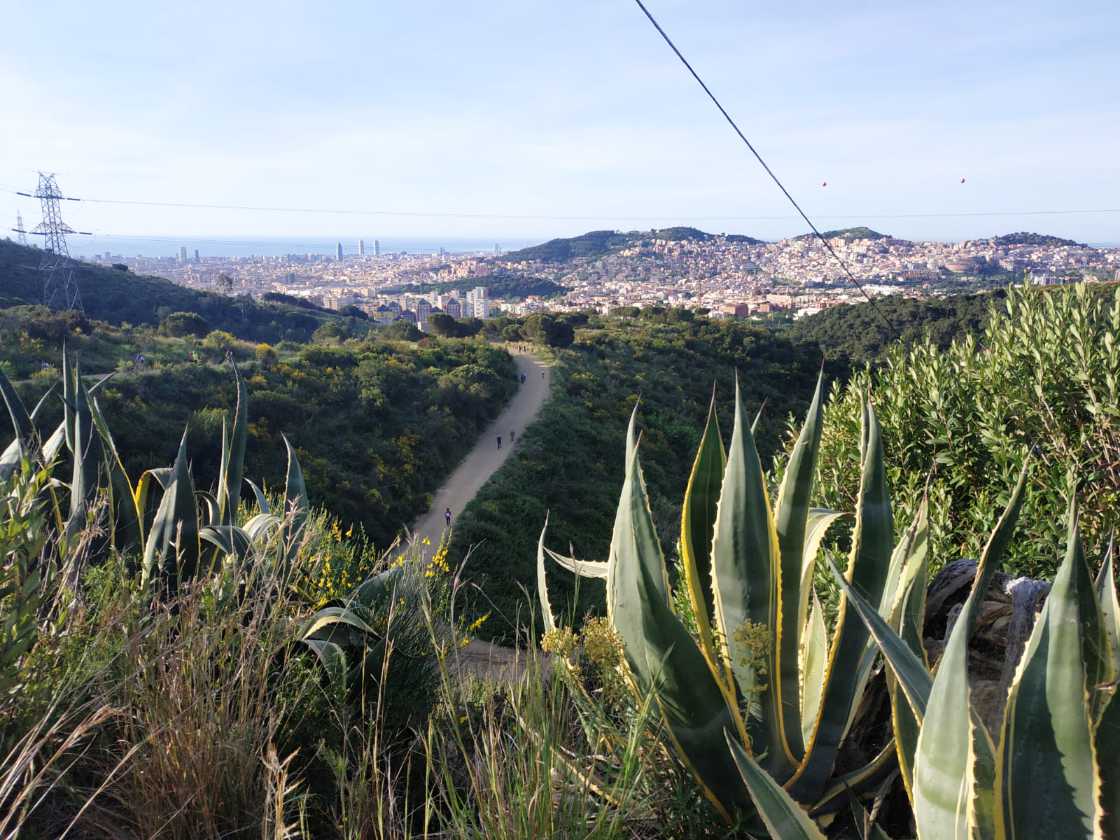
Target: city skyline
(528,109)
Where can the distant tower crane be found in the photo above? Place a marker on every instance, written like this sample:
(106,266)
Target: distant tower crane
(60,291)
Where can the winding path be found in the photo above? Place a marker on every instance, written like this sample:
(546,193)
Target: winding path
(485,458)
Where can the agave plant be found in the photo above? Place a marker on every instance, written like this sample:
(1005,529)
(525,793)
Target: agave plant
(170,541)
(761,666)
(1051,769)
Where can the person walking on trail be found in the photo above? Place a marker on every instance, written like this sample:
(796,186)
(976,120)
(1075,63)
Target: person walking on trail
(499,441)
(511,437)
(447,517)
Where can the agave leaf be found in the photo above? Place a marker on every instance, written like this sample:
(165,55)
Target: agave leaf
(86,446)
(814,649)
(229,539)
(869,777)
(662,656)
(260,525)
(867,829)
(212,516)
(329,616)
(943,760)
(172,548)
(908,617)
(907,667)
(378,587)
(332,657)
(983,820)
(258,494)
(583,568)
(21,420)
(542,583)
(1106,743)
(791,517)
(1110,615)
(233,454)
(10,458)
(784,818)
(127,530)
(295,503)
(849,665)
(1046,757)
(817,525)
(698,518)
(744,577)
(70,379)
(54,444)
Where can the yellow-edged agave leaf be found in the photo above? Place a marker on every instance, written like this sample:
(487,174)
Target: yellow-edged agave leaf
(908,617)
(862,780)
(698,519)
(1046,757)
(983,819)
(542,583)
(172,547)
(905,658)
(905,665)
(1106,742)
(660,652)
(784,818)
(1110,614)
(791,515)
(744,578)
(596,569)
(814,661)
(943,760)
(233,454)
(817,525)
(867,570)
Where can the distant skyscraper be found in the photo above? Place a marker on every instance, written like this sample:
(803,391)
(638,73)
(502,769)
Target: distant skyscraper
(497,250)
(377,247)
(338,251)
(196,258)
(182,253)
(361,247)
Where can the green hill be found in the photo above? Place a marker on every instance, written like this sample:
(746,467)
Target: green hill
(848,234)
(598,243)
(1025,238)
(118,297)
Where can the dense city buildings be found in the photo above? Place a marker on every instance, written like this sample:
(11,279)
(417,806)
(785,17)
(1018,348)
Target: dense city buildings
(734,276)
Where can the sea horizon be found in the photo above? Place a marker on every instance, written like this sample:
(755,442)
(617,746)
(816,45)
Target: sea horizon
(265,246)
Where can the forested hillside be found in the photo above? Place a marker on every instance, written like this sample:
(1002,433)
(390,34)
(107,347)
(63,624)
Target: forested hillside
(854,334)
(377,424)
(121,297)
(569,463)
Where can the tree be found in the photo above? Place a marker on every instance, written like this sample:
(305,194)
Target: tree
(402,331)
(442,324)
(546,329)
(184,324)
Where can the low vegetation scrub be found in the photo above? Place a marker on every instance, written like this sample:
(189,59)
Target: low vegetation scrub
(1043,375)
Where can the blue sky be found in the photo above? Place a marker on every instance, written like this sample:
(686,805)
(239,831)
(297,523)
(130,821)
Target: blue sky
(575,108)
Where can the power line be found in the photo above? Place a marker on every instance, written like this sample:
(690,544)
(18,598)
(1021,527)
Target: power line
(758,157)
(436,214)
